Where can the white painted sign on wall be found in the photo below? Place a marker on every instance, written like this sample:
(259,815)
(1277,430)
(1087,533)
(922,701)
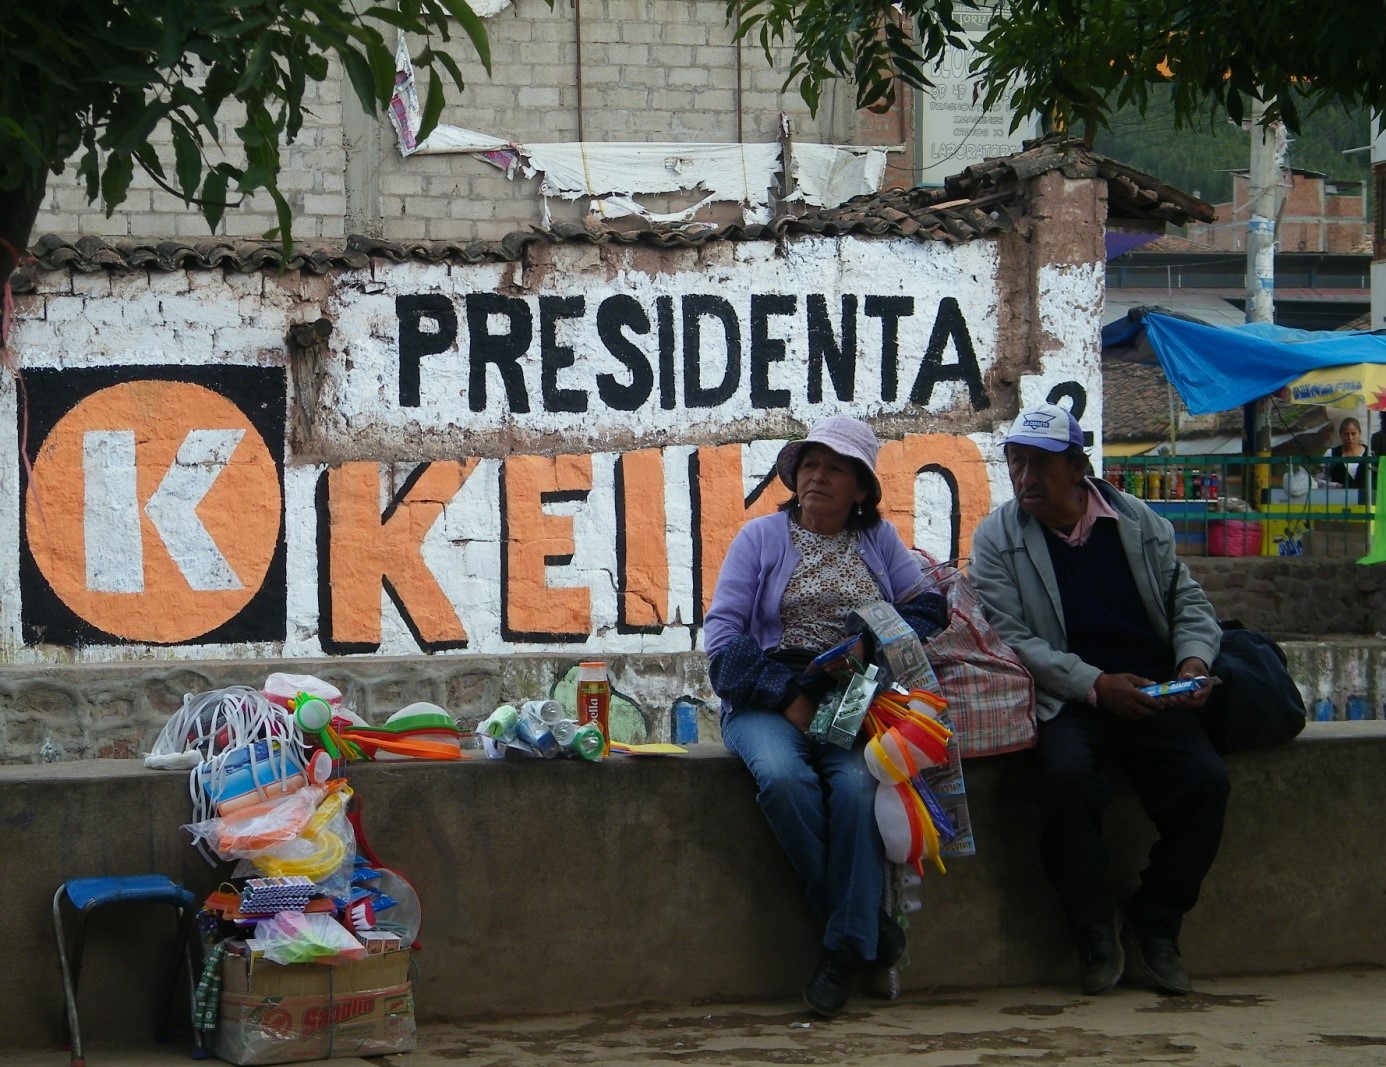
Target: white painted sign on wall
(591,349)
(538,456)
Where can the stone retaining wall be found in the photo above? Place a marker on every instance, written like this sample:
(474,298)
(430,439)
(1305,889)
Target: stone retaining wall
(549,886)
(1296,596)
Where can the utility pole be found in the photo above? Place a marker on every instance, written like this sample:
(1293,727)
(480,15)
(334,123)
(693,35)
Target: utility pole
(1267,157)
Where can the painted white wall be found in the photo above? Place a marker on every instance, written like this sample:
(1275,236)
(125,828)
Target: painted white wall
(209,320)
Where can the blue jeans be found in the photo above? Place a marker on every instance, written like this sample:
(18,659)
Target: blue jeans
(820,801)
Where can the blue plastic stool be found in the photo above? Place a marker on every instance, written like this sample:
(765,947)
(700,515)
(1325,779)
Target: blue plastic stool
(88,894)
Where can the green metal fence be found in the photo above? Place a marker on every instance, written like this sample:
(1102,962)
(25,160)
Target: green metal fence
(1280,505)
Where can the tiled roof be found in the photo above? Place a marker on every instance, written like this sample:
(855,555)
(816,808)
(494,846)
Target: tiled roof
(985,199)
(1132,195)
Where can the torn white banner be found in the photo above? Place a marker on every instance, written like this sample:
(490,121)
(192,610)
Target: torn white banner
(826,175)
(736,173)
(405,115)
(612,172)
(616,207)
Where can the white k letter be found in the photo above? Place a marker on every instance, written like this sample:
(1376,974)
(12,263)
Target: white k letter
(172,509)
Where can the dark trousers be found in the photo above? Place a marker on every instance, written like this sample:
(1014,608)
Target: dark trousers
(1182,784)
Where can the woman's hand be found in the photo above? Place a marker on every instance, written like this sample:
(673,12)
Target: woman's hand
(843,668)
(800,712)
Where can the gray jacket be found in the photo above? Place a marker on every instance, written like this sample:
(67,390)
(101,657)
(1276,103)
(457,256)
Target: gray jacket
(1015,580)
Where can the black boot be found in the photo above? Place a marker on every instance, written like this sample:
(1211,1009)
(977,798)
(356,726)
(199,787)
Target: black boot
(831,984)
(1100,956)
(1155,962)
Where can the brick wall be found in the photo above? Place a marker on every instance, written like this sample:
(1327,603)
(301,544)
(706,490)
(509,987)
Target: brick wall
(605,70)
(1314,218)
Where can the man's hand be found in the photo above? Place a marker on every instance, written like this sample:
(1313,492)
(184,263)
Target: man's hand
(1121,695)
(1192,667)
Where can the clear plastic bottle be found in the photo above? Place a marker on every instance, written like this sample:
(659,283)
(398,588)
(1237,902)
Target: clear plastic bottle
(546,711)
(589,742)
(532,731)
(563,731)
(500,724)
(907,890)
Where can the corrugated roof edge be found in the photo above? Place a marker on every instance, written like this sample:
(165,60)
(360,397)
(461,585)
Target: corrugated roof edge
(985,198)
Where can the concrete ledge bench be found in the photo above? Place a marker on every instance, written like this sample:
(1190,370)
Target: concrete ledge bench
(563,885)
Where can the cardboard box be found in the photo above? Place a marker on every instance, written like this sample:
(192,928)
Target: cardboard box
(309,1011)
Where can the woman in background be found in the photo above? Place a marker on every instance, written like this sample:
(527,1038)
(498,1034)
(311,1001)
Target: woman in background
(1344,474)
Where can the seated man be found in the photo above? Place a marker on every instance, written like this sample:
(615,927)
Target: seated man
(1077,577)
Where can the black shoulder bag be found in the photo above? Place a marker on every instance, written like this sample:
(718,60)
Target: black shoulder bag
(1257,703)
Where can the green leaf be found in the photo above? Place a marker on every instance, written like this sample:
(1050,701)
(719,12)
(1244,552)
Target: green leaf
(174,13)
(473,27)
(394,17)
(450,65)
(182,96)
(315,66)
(382,61)
(187,158)
(432,108)
(359,71)
(259,58)
(286,220)
(115,182)
(149,159)
(89,168)
(214,197)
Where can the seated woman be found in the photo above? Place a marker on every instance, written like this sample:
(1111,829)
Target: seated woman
(787,584)
(1351,471)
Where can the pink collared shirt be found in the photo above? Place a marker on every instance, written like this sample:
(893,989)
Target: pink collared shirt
(1097,508)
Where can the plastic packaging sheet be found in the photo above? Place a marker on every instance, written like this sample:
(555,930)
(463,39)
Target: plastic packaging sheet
(314,937)
(907,664)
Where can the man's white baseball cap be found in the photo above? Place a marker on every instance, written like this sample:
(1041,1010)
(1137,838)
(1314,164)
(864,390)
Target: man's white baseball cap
(1047,426)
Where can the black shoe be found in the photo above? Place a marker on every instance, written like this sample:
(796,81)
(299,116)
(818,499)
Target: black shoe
(1100,957)
(890,941)
(1155,962)
(831,984)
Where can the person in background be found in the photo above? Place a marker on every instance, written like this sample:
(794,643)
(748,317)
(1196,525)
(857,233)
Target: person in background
(1378,442)
(1346,474)
(783,594)
(1076,576)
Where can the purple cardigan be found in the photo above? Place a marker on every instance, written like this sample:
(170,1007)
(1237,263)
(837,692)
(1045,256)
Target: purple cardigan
(746,602)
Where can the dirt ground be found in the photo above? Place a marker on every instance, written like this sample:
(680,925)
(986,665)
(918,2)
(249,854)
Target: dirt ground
(1334,1019)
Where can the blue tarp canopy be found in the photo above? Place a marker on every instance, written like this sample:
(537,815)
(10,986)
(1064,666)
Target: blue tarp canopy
(1217,368)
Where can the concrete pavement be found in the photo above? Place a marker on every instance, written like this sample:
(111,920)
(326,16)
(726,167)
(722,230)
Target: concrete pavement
(1326,1019)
